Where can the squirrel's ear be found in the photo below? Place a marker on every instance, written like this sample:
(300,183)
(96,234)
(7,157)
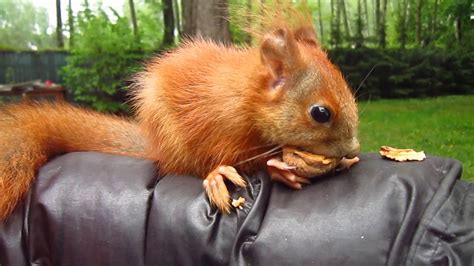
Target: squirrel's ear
(279,52)
(307,35)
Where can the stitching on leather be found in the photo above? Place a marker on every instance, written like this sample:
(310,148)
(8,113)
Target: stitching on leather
(461,203)
(417,245)
(251,238)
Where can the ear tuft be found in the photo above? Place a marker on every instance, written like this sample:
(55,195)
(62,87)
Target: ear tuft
(307,35)
(279,51)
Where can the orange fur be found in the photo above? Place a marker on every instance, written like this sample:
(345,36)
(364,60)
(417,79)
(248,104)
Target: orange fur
(190,115)
(198,107)
(32,133)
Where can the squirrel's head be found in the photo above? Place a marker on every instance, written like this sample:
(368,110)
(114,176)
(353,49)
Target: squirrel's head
(304,100)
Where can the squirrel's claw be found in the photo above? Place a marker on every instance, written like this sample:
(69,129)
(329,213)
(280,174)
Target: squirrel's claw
(347,163)
(216,189)
(281,172)
(232,175)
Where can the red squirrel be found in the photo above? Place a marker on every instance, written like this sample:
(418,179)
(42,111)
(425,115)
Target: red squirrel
(202,109)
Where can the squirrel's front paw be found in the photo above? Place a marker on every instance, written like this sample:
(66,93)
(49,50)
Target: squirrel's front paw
(216,189)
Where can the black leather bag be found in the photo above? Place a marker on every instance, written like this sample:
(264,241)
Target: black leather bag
(98,209)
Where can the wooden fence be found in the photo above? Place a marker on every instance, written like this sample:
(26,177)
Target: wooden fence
(29,65)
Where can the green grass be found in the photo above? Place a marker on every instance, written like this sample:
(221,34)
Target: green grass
(441,126)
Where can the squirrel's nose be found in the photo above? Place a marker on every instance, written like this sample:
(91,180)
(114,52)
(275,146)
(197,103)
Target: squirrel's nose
(353,148)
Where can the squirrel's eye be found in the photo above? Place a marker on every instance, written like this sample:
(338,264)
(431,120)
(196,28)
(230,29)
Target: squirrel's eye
(320,114)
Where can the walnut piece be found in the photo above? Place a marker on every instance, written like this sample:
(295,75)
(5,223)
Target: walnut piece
(307,164)
(401,155)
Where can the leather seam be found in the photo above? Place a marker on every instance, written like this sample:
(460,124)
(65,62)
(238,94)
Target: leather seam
(438,241)
(410,259)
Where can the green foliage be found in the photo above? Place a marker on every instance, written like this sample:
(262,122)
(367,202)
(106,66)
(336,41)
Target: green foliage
(24,26)
(437,23)
(458,9)
(442,126)
(106,54)
(150,23)
(458,13)
(151,26)
(103,57)
(401,73)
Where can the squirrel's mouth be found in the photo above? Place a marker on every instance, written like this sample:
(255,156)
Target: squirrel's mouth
(311,152)
(308,164)
(348,149)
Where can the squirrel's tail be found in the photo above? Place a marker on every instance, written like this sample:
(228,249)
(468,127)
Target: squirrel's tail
(30,134)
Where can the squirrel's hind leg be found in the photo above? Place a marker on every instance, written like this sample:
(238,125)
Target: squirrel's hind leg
(216,189)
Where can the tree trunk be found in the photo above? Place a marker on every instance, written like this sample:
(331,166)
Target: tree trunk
(410,21)
(187,18)
(458,29)
(177,17)
(134,19)
(331,27)
(435,17)
(431,23)
(375,4)
(377,20)
(419,6)
(359,36)
(206,18)
(380,19)
(321,36)
(59,25)
(403,13)
(70,19)
(367,24)
(347,29)
(335,24)
(168,19)
(383,16)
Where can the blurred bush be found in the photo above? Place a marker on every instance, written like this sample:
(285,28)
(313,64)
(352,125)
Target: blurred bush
(407,73)
(105,55)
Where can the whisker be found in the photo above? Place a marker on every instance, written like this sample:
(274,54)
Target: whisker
(274,153)
(257,147)
(270,152)
(365,78)
(365,107)
(262,156)
(363,94)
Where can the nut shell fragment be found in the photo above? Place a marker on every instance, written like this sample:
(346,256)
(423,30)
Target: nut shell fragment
(237,203)
(401,155)
(307,164)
